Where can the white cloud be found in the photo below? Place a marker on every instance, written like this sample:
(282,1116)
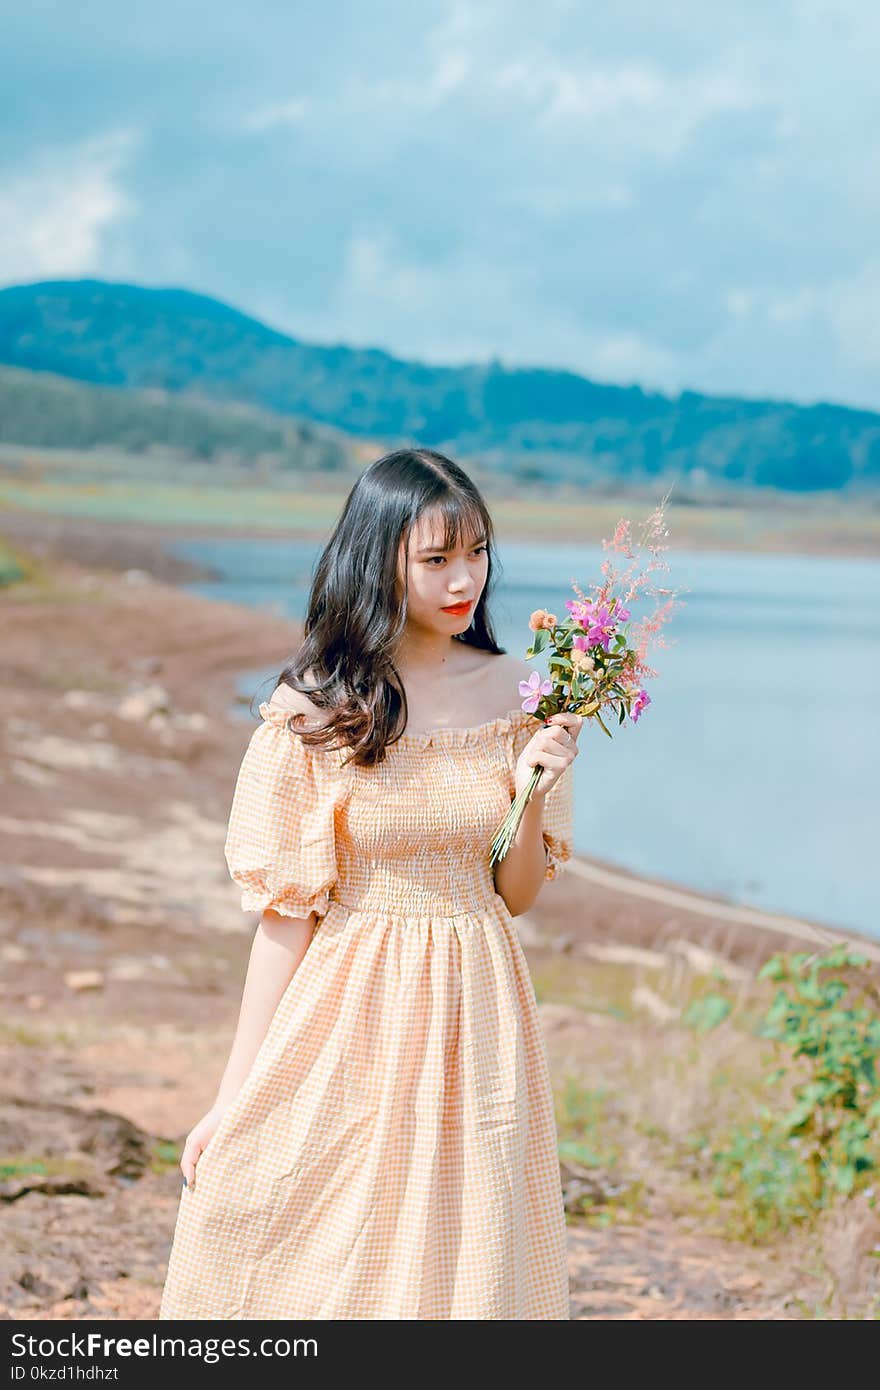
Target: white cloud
(740,302)
(794,307)
(853,307)
(633,358)
(664,191)
(376,272)
(658,111)
(385,298)
(447,66)
(55,216)
(423,93)
(284,113)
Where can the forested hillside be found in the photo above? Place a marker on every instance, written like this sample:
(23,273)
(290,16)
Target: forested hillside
(538,423)
(49,411)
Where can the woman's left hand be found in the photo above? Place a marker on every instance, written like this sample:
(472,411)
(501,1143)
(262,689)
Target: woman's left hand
(554,746)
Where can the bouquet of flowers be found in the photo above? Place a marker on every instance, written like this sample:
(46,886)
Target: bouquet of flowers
(597,659)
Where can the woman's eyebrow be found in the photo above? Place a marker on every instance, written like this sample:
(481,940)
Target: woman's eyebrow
(438,549)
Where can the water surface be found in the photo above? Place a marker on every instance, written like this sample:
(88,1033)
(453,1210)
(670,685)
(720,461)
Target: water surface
(754,772)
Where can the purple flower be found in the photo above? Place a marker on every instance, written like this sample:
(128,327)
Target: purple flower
(580,609)
(601,626)
(534,688)
(641,699)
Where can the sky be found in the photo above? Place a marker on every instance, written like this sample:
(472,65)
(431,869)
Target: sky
(683,196)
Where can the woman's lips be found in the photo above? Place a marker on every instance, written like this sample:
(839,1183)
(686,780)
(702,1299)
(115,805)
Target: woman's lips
(458,607)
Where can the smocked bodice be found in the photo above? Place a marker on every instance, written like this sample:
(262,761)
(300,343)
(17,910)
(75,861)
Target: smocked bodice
(409,837)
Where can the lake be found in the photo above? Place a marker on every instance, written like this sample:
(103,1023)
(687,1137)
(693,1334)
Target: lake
(754,772)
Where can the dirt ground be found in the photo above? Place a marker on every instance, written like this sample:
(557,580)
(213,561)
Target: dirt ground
(124,949)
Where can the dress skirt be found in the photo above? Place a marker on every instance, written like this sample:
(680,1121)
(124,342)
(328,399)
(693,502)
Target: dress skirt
(392,1152)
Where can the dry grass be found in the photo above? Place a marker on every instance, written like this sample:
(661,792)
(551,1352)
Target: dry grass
(643,1100)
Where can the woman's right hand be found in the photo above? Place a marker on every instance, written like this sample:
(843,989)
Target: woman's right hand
(197,1141)
(554,746)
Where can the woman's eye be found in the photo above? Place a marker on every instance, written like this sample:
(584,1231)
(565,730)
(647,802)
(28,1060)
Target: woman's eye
(476,551)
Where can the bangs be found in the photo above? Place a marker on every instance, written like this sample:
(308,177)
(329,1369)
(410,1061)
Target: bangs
(463,519)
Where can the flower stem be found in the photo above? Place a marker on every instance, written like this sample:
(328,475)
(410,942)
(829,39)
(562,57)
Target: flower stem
(506,832)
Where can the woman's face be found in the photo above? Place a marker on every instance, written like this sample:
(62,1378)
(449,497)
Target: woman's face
(439,578)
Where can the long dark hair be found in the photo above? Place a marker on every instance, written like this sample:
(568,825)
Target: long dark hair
(355,621)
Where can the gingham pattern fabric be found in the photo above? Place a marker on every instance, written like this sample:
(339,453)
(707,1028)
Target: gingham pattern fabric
(392,1152)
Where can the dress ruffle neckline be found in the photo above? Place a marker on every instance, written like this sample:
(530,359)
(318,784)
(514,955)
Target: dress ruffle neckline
(473,733)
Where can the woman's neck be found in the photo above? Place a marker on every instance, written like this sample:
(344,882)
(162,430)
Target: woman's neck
(426,656)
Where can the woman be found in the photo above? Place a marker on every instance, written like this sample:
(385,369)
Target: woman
(383,1142)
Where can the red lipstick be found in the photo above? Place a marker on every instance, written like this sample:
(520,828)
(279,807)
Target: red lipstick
(458,609)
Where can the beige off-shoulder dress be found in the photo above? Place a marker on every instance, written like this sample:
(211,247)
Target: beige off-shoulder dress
(392,1152)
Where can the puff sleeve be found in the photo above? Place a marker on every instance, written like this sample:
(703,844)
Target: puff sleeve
(558,820)
(280,842)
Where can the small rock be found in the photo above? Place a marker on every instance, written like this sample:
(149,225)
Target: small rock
(627,955)
(77,699)
(194,722)
(139,705)
(582,1189)
(84,979)
(34,1284)
(130,968)
(147,665)
(137,577)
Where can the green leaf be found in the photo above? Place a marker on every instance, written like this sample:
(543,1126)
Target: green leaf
(773,969)
(598,716)
(579,1153)
(798,1117)
(844,1177)
(706,1013)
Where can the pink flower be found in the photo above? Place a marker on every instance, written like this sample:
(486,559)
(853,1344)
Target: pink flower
(534,688)
(639,703)
(621,540)
(579,608)
(601,626)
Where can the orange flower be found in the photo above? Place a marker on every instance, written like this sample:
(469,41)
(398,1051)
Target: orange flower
(541,618)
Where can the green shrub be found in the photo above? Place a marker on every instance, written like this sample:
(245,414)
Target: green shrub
(825,1025)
